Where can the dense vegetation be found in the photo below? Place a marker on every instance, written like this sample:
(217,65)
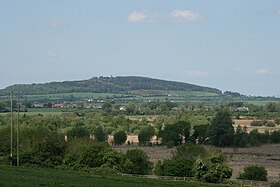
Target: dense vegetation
(105,85)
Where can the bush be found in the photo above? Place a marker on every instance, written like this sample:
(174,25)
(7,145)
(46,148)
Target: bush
(137,162)
(213,169)
(270,124)
(176,166)
(258,123)
(254,172)
(99,154)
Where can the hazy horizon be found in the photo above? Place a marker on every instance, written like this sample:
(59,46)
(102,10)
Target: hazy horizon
(225,44)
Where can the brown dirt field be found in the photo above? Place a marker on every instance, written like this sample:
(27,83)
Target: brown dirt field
(266,155)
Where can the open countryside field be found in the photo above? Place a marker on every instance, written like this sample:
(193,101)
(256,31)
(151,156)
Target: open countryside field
(29,177)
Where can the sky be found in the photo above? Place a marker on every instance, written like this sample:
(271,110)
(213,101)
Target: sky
(232,45)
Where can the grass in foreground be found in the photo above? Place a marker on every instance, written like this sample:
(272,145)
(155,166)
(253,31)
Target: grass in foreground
(28,177)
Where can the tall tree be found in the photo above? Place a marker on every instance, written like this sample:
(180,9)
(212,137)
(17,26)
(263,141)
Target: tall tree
(99,134)
(221,131)
(146,134)
(120,137)
(176,133)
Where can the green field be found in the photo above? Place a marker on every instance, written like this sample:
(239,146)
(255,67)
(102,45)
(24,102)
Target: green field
(28,177)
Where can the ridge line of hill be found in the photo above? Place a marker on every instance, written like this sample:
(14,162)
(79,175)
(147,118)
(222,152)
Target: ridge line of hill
(120,84)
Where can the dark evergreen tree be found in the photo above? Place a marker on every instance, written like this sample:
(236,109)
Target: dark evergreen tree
(221,131)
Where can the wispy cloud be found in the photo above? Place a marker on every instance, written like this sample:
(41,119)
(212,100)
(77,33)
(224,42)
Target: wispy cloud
(196,73)
(186,15)
(52,54)
(262,71)
(55,25)
(137,16)
(174,16)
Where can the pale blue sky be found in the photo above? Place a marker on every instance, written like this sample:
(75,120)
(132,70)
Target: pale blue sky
(227,44)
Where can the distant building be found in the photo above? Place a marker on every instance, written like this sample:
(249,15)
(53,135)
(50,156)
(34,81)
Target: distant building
(57,105)
(242,109)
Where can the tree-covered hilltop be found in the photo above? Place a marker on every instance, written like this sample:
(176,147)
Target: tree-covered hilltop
(106,85)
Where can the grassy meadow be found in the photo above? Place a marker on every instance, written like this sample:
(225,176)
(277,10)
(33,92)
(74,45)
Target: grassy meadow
(29,177)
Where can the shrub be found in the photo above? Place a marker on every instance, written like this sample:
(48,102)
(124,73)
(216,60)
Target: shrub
(258,123)
(213,169)
(137,162)
(270,124)
(254,172)
(176,166)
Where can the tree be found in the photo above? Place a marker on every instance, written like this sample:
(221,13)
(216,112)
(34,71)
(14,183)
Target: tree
(221,131)
(213,169)
(146,134)
(99,154)
(48,152)
(181,162)
(254,172)
(176,166)
(200,132)
(78,132)
(175,134)
(275,136)
(120,137)
(107,108)
(240,137)
(99,134)
(137,162)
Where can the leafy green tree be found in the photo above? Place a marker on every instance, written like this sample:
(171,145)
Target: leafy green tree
(254,172)
(176,166)
(78,132)
(145,135)
(175,134)
(240,137)
(275,136)
(213,169)
(100,154)
(99,134)
(137,162)
(107,108)
(120,137)
(221,131)
(48,152)
(254,138)
(181,163)
(5,142)
(200,132)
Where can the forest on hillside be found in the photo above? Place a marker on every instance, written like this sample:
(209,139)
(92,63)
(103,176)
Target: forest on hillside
(105,85)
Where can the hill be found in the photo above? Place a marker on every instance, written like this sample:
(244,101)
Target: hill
(106,85)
